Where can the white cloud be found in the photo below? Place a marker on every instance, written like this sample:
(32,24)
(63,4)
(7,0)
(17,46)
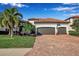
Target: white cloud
(71,8)
(68,3)
(73,4)
(73,11)
(16,4)
(4,3)
(64,8)
(65,14)
(73,14)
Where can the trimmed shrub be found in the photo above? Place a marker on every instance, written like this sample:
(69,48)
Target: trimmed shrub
(74,33)
(28,28)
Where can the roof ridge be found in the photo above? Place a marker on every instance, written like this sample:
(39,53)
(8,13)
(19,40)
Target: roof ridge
(49,20)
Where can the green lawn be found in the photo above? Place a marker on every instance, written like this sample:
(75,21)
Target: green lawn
(16,42)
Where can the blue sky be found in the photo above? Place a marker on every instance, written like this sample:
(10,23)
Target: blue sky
(44,10)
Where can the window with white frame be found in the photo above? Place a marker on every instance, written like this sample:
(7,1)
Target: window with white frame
(58,24)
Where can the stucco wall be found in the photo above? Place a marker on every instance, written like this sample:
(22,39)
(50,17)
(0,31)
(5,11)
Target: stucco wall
(45,25)
(37,25)
(71,22)
(50,25)
(32,22)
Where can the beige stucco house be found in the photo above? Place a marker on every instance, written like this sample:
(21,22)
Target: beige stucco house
(52,26)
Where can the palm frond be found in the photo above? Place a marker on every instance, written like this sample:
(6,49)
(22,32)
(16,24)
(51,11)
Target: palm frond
(19,15)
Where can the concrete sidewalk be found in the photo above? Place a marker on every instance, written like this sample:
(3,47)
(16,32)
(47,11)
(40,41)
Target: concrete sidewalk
(14,51)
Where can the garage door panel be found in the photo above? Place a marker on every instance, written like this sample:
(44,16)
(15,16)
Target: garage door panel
(62,30)
(46,30)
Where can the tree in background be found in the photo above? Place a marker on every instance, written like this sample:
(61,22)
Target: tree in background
(76,25)
(28,27)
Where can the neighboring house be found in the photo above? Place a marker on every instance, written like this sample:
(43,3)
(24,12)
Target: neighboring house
(52,26)
(71,20)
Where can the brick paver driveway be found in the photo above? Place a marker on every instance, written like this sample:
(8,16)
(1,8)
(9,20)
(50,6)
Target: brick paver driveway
(51,45)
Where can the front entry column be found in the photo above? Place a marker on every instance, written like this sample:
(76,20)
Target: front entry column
(67,30)
(56,31)
(35,30)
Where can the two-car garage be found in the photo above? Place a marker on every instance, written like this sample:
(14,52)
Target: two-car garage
(51,30)
(50,26)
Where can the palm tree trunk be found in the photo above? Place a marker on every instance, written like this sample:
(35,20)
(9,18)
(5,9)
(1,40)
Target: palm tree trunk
(11,33)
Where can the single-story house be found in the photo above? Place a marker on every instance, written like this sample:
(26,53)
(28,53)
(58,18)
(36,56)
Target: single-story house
(52,26)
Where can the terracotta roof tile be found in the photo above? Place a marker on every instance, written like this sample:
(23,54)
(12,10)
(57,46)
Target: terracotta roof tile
(72,17)
(48,20)
(75,16)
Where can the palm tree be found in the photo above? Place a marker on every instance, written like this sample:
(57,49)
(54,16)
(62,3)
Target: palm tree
(10,19)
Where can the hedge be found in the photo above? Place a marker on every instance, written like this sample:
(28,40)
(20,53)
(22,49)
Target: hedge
(74,33)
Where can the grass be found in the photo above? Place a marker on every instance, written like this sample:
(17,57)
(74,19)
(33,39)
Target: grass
(16,41)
